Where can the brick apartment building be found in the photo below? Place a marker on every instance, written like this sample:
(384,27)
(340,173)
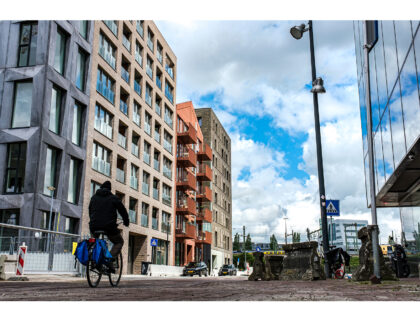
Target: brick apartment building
(193,190)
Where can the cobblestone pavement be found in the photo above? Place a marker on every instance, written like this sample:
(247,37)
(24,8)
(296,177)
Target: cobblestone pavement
(207,289)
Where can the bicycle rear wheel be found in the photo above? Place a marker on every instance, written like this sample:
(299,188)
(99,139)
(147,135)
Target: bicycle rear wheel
(93,274)
(114,278)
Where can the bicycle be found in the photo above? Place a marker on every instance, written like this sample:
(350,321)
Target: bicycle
(95,271)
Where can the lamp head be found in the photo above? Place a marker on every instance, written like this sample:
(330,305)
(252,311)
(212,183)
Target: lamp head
(297,31)
(318,86)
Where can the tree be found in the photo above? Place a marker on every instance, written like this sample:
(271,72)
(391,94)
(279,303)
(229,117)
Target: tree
(308,234)
(296,238)
(273,243)
(248,242)
(236,243)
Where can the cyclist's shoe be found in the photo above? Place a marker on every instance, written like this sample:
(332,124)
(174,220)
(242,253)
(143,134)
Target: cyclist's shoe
(111,265)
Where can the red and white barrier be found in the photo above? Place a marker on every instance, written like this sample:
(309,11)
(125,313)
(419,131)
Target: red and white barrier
(21,259)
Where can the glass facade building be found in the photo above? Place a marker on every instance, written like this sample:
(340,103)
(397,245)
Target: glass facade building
(394,68)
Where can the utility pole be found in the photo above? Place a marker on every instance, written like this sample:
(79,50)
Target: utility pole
(244,250)
(285,230)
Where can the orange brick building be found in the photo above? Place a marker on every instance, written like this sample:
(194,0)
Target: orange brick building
(193,214)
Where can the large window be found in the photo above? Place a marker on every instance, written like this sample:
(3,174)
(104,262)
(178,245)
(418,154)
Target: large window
(83,28)
(166,195)
(144,214)
(81,70)
(50,170)
(74,180)
(100,159)
(107,50)
(93,187)
(105,85)
(76,133)
(27,44)
(15,171)
(55,110)
(22,105)
(11,217)
(103,121)
(60,51)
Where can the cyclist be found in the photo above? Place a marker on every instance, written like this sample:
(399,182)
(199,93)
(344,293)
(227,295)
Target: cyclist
(103,209)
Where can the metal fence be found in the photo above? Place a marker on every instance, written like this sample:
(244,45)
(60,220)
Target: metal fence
(47,251)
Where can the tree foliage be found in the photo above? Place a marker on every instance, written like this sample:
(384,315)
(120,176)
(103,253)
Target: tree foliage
(273,243)
(236,243)
(248,242)
(296,238)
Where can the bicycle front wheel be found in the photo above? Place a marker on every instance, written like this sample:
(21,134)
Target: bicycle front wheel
(93,274)
(114,278)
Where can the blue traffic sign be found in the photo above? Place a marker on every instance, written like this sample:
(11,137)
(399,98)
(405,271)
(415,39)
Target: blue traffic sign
(258,249)
(333,207)
(153,242)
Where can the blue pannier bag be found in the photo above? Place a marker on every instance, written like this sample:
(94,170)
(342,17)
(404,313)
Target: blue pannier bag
(100,252)
(82,253)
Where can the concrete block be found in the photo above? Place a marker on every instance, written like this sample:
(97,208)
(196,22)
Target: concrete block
(7,266)
(165,270)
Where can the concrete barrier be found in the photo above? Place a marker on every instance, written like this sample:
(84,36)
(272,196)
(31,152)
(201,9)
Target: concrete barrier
(164,270)
(7,266)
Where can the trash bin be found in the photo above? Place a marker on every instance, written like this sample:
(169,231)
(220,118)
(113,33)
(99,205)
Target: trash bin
(145,267)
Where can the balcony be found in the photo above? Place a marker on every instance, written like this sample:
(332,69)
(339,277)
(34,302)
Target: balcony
(122,141)
(123,107)
(156,193)
(105,91)
(205,214)
(136,118)
(204,194)
(120,175)
(158,82)
(147,128)
(167,145)
(186,205)
(134,182)
(137,87)
(167,172)
(186,157)
(157,136)
(146,157)
(125,75)
(156,165)
(113,26)
(126,43)
(186,181)
(101,166)
(149,71)
(138,58)
(145,188)
(158,110)
(166,199)
(107,56)
(144,220)
(132,215)
(135,149)
(103,127)
(189,232)
(204,237)
(187,136)
(205,152)
(204,173)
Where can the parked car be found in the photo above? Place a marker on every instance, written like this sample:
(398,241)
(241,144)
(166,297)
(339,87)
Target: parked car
(195,268)
(228,270)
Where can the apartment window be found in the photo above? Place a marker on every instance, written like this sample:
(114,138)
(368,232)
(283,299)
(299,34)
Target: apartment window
(159,53)
(81,70)
(138,55)
(166,195)
(74,180)
(146,183)
(57,96)
(169,67)
(113,26)
(105,85)
(22,105)
(50,170)
(168,116)
(167,141)
(147,123)
(83,28)
(140,28)
(155,218)
(146,152)
(156,189)
(149,67)
(60,51)
(135,140)
(103,121)
(144,214)
(150,37)
(149,95)
(93,187)
(47,220)
(156,160)
(166,222)
(167,167)
(134,179)
(15,171)
(27,44)
(107,50)
(157,132)
(157,105)
(76,133)
(136,113)
(100,159)
(169,92)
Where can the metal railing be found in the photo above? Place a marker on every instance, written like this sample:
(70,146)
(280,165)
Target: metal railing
(101,166)
(103,127)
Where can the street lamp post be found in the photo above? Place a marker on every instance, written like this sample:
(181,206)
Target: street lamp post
(50,188)
(317,87)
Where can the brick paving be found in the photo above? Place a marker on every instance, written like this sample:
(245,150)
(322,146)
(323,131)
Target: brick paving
(207,289)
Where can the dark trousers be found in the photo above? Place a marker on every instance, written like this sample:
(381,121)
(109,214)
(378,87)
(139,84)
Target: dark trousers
(117,241)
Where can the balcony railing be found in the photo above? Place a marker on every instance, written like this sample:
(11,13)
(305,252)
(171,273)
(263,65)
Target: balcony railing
(123,107)
(148,98)
(158,110)
(158,82)
(126,43)
(137,87)
(120,175)
(146,157)
(186,157)
(112,25)
(167,172)
(187,134)
(103,127)
(159,56)
(168,119)
(147,128)
(140,29)
(154,223)
(136,118)
(122,140)
(170,71)
(149,71)
(156,193)
(138,58)
(186,180)
(101,166)
(132,215)
(167,145)
(107,56)
(205,152)
(185,205)
(204,173)
(145,188)
(169,94)
(166,199)
(125,75)
(105,91)
(134,182)
(144,220)
(204,193)
(150,44)
(135,149)
(157,136)
(156,165)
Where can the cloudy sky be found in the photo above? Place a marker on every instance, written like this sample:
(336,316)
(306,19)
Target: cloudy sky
(257,79)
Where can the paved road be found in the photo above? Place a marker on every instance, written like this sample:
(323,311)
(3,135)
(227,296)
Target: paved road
(207,289)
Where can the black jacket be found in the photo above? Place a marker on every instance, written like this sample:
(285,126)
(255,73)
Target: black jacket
(103,209)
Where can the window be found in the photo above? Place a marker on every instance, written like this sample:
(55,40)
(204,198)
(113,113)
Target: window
(81,70)
(27,44)
(146,183)
(138,55)
(169,92)
(74,180)
(113,26)
(166,195)
(105,86)
(134,181)
(47,220)
(147,123)
(167,167)
(150,39)
(149,95)
(107,50)
(50,170)
(144,214)
(155,217)
(140,28)
(103,121)
(15,171)
(168,116)
(167,141)
(166,222)
(83,28)
(135,140)
(156,185)
(156,160)
(136,113)
(76,133)
(159,53)
(132,210)
(60,51)
(22,105)
(70,226)
(55,109)
(146,152)
(100,159)
(11,217)
(149,67)
(93,187)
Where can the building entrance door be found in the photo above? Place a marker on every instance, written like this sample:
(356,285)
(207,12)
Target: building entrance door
(130,260)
